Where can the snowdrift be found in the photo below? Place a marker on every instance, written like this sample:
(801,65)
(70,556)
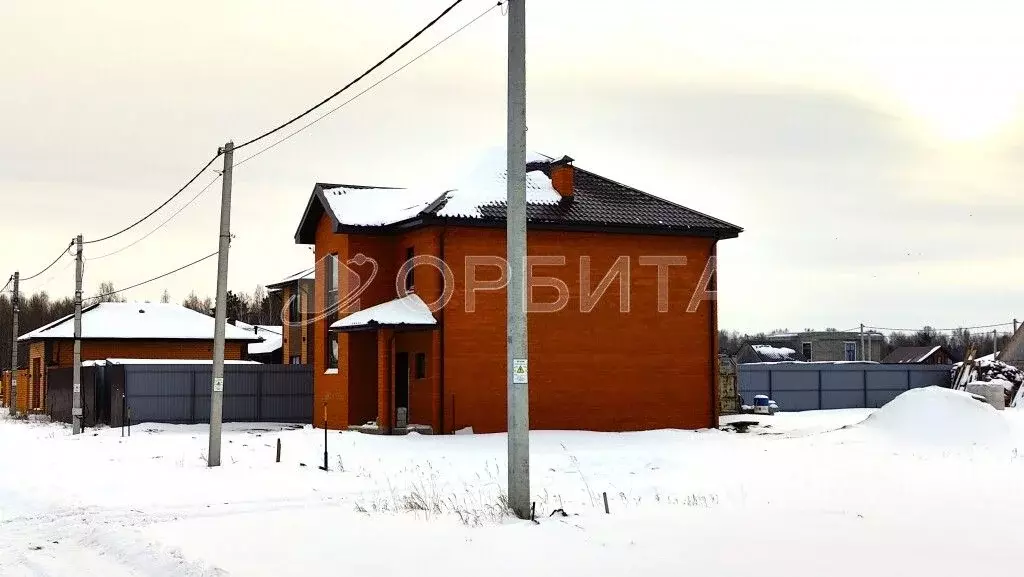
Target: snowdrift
(939,416)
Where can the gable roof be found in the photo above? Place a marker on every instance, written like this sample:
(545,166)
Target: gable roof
(148,321)
(597,203)
(305,274)
(910,355)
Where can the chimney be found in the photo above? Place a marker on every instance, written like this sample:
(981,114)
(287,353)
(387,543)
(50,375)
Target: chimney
(562,173)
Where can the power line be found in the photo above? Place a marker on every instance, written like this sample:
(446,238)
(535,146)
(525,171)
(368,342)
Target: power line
(357,79)
(162,224)
(166,274)
(165,203)
(50,278)
(49,266)
(370,87)
(992,326)
(9,281)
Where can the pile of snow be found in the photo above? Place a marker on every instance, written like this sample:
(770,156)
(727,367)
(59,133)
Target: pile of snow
(934,415)
(770,353)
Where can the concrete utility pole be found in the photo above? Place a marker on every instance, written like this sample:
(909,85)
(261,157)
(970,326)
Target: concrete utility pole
(995,343)
(14,348)
(518,369)
(76,375)
(867,350)
(220,315)
(1014,326)
(862,341)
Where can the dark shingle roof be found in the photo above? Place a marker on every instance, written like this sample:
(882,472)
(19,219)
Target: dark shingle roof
(597,203)
(600,201)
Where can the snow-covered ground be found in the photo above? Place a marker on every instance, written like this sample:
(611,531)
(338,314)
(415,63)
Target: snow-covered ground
(926,485)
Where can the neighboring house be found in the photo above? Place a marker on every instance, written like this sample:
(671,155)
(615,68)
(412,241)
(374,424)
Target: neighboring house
(765,353)
(1013,351)
(831,345)
(124,331)
(597,370)
(267,351)
(296,316)
(935,355)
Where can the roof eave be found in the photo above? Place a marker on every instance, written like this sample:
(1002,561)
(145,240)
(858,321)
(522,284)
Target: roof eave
(374,325)
(315,208)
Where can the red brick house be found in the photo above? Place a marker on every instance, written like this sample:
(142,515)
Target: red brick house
(123,331)
(632,359)
(296,297)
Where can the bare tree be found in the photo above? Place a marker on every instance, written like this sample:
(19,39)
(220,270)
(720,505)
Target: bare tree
(107,294)
(166,297)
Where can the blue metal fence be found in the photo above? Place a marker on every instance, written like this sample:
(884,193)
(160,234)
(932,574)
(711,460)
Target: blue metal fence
(813,386)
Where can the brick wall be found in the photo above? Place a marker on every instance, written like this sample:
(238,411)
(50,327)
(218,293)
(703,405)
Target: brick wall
(602,370)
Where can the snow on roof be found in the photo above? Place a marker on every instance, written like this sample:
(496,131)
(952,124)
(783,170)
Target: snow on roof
(272,336)
(484,185)
(408,310)
(770,353)
(104,362)
(138,321)
(307,274)
(487,184)
(361,206)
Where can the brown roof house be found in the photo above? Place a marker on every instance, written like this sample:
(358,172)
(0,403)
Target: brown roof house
(409,293)
(934,355)
(125,331)
(296,297)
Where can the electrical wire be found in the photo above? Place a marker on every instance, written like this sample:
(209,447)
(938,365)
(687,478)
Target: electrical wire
(370,87)
(49,279)
(9,281)
(357,79)
(49,266)
(165,203)
(992,326)
(162,224)
(166,274)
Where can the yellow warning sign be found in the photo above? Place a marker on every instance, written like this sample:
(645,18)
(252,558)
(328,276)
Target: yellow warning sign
(520,372)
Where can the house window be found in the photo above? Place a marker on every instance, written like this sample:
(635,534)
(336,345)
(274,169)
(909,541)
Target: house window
(420,368)
(294,308)
(331,301)
(296,360)
(409,254)
(807,351)
(851,351)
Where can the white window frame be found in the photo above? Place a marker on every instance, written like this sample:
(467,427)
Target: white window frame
(846,350)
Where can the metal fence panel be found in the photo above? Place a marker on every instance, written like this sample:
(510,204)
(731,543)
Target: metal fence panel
(810,386)
(169,393)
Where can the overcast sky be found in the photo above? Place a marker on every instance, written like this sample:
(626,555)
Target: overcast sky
(873,150)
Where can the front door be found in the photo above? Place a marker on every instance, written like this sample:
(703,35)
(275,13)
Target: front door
(401,388)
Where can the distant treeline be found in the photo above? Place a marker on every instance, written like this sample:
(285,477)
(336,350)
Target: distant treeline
(957,341)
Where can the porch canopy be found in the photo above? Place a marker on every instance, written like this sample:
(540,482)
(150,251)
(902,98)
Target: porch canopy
(406,313)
